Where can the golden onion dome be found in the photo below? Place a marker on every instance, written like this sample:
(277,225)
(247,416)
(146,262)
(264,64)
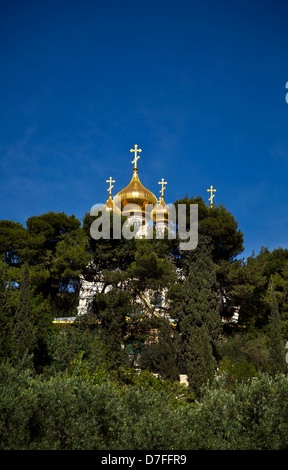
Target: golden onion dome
(110,206)
(160,212)
(135,195)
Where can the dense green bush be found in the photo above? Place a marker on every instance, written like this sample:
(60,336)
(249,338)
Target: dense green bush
(82,411)
(82,392)
(252,417)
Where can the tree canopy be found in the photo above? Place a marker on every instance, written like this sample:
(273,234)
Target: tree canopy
(192,333)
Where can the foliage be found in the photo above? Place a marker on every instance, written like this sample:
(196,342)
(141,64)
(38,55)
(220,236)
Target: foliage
(112,253)
(56,249)
(277,348)
(235,372)
(160,354)
(252,289)
(218,224)
(74,412)
(13,239)
(149,270)
(6,319)
(245,348)
(110,381)
(199,322)
(112,310)
(24,320)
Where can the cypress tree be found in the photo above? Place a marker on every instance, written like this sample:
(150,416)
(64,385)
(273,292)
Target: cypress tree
(277,363)
(43,325)
(198,357)
(6,315)
(199,318)
(24,322)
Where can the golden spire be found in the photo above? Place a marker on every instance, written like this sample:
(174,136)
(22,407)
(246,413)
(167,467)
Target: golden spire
(110,181)
(211,190)
(136,157)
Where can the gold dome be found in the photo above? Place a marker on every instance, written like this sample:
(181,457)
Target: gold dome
(160,212)
(135,195)
(110,206)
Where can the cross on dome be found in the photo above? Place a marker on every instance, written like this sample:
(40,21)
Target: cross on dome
(136,157)
(162,182)
(110,181)
(211,190)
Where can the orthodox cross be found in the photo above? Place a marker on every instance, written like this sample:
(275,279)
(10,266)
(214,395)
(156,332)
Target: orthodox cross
(135,150)
(162,183)
(212,195)
(110,181)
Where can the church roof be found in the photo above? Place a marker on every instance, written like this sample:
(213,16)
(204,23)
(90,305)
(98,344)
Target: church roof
(135,194)
(160,212)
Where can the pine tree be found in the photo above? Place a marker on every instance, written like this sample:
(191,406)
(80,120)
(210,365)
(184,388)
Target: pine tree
(24,322)
(277,362)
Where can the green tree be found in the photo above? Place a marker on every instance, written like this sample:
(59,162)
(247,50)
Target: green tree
(161,355)
(43,329)
(57,250)
(194,305)
(13,239)
(252,289)
(130,266)
(24,323)
(277,348)
(6,314)
(111,253)
(112,311)
(219,225)
(197,357)
(244,348)
(151,268)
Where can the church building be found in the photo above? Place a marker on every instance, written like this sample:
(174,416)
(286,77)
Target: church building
(143,211)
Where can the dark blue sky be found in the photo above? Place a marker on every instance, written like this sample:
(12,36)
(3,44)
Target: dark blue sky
(200,86)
